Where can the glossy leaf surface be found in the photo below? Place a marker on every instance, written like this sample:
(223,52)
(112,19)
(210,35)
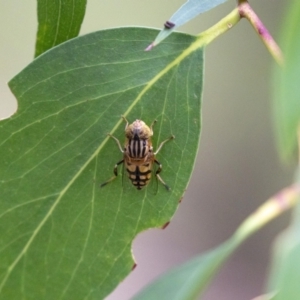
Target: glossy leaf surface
(62,236)
(59,21)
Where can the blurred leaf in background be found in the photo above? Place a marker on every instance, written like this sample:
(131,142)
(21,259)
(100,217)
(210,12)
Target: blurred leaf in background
(286,86)
(285,269)
(190,280)
(58,21)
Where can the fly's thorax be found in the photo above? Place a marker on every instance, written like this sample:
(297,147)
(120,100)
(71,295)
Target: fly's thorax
(138,149)
(138,140)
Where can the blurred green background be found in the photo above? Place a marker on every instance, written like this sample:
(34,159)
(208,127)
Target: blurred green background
(237,166)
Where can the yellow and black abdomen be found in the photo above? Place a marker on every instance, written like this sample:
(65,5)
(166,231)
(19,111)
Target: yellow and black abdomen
(139,175)
(138,161)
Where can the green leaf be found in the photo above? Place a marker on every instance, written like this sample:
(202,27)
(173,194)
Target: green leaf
(59,21)
(286,86)
(62,236)
(285,269)
(184,14)
(188,281)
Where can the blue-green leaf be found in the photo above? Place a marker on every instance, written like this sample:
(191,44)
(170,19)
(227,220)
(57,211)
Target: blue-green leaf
(185,13)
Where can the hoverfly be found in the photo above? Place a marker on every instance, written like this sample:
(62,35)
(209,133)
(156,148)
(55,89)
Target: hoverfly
(138,155)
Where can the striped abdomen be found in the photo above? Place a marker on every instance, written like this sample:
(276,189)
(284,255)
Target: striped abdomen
(139,175)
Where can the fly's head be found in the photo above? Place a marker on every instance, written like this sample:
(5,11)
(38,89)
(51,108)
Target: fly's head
(138,130)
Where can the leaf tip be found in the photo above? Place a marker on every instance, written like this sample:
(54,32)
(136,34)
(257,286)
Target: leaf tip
(150,47)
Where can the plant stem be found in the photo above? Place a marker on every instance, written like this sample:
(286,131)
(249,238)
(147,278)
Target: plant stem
(272,208)
(221,27)
(247,12)
(243,10)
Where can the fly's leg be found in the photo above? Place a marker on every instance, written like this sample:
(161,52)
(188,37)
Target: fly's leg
(158,163)
(118,163)
(158,176)
(151,126)
(117,141)
(127,123)
(115,172)
(163,142)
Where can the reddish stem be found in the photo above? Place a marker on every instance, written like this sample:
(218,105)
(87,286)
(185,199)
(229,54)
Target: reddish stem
(247,12)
